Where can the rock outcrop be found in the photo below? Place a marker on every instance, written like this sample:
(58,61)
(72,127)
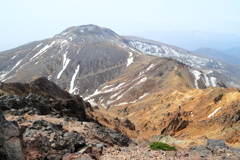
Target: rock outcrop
(41,97)
(44,139)
(10,145)
(36,104)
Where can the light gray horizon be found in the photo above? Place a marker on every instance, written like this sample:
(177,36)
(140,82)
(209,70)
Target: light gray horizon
(27,20)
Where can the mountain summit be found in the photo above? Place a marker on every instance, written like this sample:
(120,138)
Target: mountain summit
(85,56)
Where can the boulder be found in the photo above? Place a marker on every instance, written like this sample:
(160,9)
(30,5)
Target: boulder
(10,146)
(216,143)
(176,124)
(50,140)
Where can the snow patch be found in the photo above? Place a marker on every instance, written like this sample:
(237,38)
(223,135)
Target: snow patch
(92,102)
(207,82)
(130,59)
(37,46)
(8,78)
(72,81)
(132,49)
(14,56)
(197,77)
(151,66)
(141,80)
(116,94)
(65,63)
(141,73)
(145,94)
(121,104)
(5,73)
(107,86)
(95,93)
(210,115)
(16,65)
(213,81)
(43,50)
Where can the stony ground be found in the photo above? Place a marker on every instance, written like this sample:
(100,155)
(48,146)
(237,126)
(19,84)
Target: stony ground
(145,153)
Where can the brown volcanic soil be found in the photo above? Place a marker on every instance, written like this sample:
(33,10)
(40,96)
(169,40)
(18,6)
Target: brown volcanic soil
(159,111)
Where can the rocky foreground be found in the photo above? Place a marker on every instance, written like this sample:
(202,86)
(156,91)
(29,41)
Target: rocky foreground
(46,123)
(71,139)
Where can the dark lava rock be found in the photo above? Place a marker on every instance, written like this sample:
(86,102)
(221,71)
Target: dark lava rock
(10,146)
(36,104)
(48,138)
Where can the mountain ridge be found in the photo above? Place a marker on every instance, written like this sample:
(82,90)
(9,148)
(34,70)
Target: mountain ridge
(161,50)
(217,55)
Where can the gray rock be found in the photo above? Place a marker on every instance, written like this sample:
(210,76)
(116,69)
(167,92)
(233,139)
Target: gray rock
(10,146)
(46,136)
(54,157)
(214,143)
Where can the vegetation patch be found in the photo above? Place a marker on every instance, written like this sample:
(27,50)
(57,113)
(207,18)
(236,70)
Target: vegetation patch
(103,127)
(162,146)
(218,98)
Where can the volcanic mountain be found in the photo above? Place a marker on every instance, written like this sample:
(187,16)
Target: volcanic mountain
(80,59)
(85,56)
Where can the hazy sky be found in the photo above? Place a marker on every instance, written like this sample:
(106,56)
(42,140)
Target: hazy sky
(23,21)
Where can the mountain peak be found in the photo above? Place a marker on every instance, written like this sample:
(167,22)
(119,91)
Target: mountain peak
(88,33)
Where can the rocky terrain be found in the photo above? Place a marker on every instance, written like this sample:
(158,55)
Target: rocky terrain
(36,128)
(44,125)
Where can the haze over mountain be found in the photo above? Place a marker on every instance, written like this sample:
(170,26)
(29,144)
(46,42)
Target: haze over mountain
(214,54)
(193,40)
(233,51)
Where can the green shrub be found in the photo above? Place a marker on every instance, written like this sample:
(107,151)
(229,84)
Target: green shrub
(218,98)
(162,146)
(104,127)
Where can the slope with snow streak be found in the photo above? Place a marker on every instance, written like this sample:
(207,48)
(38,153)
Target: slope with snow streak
(5,73)
(43,50)
(212,114)
(229,72)
(176,53)
(65,63)
(197,77)
(207,78)
(130,59)
(72,88)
